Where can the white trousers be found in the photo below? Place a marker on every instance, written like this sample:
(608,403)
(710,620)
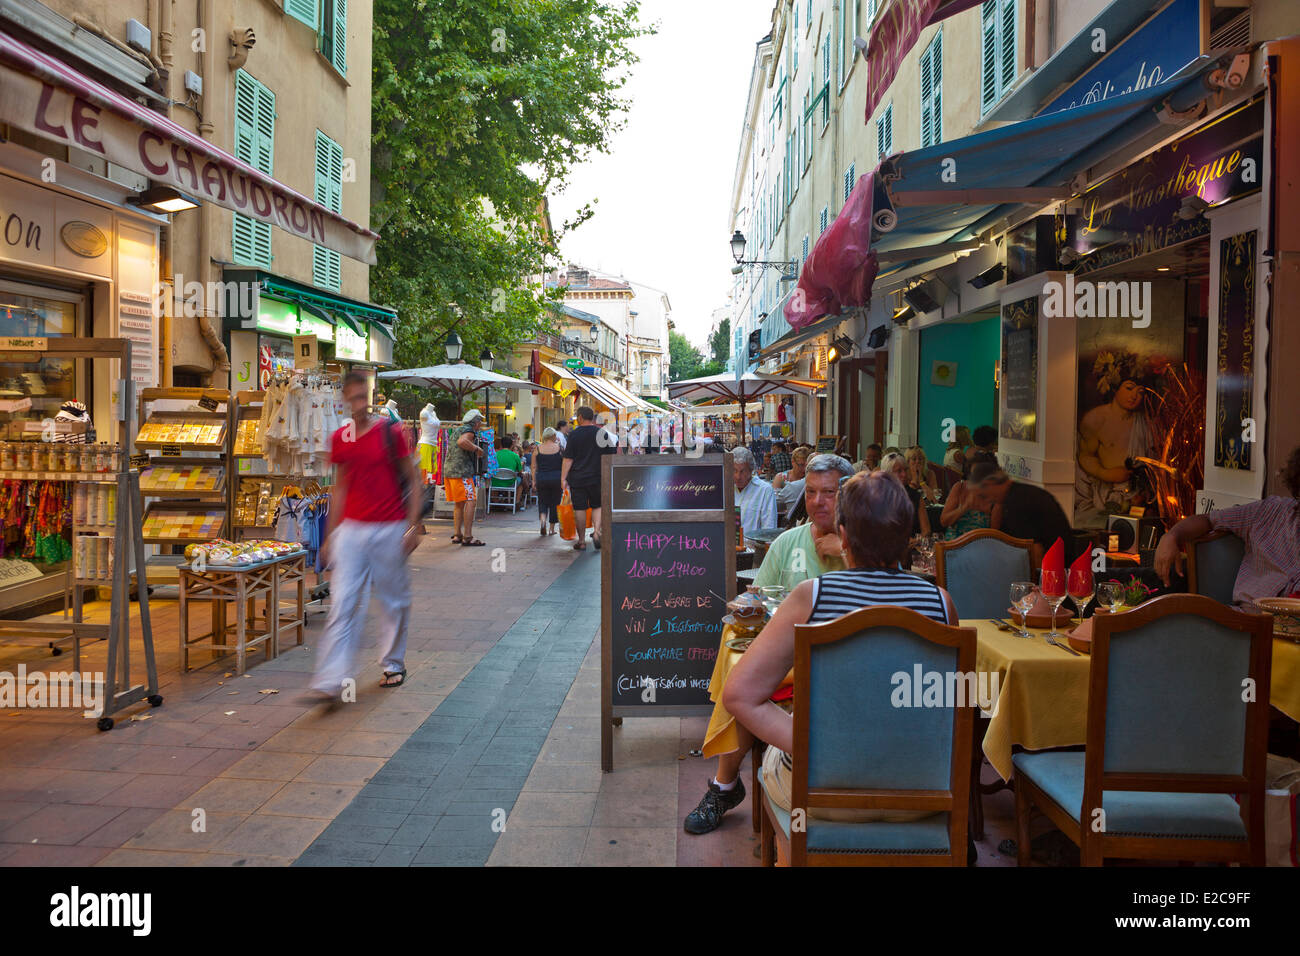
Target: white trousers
(364,555)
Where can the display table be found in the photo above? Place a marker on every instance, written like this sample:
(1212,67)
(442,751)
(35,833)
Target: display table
(241,589)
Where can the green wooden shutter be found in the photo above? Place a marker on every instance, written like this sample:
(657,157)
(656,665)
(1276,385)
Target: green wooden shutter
(326,263)
(932,92)
(850,180)
(304,10)
(1007,54)
(336,44)
(823,220)
(988,55)
(255,145)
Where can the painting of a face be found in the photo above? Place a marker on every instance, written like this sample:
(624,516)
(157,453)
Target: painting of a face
(1129,395)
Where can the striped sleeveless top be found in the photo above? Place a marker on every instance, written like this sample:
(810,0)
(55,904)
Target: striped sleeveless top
(839,592)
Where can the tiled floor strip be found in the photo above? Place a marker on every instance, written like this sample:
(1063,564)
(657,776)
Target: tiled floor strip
(441,797)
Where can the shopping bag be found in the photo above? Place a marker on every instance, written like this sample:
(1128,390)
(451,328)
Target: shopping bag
(568,523)
(1282,812)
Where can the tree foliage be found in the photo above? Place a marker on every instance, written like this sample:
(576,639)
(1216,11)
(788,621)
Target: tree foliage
(481,109)
(720,342)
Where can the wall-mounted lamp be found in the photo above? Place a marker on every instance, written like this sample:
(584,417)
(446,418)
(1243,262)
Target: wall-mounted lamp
(987,277)
(163,199)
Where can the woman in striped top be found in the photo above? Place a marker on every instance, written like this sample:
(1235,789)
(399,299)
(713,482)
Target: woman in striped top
(874,517)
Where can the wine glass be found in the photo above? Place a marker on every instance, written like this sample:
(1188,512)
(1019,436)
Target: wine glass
(1081,587)
(1023,596)
(1052,586)
(773,595)
(1112,593)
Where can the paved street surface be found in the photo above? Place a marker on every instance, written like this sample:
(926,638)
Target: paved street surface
(490,754)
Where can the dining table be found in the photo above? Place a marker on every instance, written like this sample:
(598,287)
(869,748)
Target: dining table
(1041,698)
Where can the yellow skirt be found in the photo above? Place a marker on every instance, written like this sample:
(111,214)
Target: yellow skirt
(426,457)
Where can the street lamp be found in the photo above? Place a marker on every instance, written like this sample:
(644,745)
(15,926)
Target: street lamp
(454,347)
(486,359)
(788,269)
(595,333)
(738,246)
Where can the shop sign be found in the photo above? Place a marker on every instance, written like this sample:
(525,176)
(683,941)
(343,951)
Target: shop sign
(573,364)
(285,318)
(1150,56)
(348,346)
(166,153)
(25,344)
(305,351)
(1157,202)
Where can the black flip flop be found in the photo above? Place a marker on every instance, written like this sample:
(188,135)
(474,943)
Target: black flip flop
(579,546)
(472,543)
(388,674)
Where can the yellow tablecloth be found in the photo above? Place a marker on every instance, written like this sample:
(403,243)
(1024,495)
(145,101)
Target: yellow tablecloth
(1043,691)
(721,737)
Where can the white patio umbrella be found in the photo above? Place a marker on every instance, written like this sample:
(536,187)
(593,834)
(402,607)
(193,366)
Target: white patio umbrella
(747,388)
(460,379)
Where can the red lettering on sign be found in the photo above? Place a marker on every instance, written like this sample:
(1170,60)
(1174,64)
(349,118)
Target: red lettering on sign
(42,124)
(261,200)
(238,196)
(281,210)
(317,226)
(214,184)
(183,159)
(148,138)
(296,213)
(85,117)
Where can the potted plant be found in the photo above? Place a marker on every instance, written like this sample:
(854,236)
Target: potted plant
(1133,592)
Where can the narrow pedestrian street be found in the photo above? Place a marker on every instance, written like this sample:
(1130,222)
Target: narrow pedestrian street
(489,755)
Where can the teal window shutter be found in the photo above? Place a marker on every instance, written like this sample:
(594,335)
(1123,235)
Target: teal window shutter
(988,54)
(334,33)
(326,263)
(254,145)
(304,10)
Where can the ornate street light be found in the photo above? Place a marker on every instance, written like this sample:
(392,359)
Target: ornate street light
(788,269)
(454,347)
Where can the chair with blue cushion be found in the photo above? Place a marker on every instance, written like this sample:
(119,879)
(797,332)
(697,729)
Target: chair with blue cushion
(1212,565)
(854,749)
(1177,727)
(978,569)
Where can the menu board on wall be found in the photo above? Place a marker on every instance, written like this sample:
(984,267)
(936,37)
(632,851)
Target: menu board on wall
(1235,350)
(668,567)
(1019,392)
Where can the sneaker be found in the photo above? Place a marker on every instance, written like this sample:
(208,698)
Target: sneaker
(707,817)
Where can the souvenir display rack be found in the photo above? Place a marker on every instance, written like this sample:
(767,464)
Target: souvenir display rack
(189,471)
(95,564)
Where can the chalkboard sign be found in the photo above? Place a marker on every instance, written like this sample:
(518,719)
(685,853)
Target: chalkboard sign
(1019,385)
(826,444)
(668,567)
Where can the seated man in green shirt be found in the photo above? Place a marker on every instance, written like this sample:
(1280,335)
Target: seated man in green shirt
(506,458)
(805,551)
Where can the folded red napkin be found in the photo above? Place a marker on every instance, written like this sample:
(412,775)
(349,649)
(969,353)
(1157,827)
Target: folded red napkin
(1054,560)
(1081,571)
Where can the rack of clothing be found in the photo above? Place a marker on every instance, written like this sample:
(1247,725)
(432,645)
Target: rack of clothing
(300,412)
(302,515)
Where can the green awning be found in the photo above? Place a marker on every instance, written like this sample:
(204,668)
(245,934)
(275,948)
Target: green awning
(305,294)
(387,332)
(352,322)
(318,312)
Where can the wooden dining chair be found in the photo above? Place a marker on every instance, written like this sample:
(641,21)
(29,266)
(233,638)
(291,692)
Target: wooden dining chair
(855,750)
(1177,727)
(978,569)
(1212,565)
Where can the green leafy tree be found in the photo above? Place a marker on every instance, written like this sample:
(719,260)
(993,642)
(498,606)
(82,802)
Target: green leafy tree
(720,342)
(684,359)
(481,108)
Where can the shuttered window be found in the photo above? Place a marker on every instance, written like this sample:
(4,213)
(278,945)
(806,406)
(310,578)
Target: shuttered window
(325,268)
(255,145)
(823,220)
(998,50)
(885,132)
(804,257)
(334,33)
(932,92)
(304,10)
(850,180)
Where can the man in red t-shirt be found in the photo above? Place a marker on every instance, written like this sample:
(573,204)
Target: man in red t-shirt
(371,531)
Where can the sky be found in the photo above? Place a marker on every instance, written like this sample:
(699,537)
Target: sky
(664,189)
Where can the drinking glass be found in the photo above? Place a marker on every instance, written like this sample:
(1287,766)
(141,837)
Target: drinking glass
(1023,596)
(1081,587)
(1111,593)
(1052,586)
(773,595)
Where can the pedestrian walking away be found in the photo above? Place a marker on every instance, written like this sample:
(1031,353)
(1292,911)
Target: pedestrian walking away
(580,473)
(548,466)
(372,530)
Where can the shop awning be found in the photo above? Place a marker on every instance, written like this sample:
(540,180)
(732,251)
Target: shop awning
(799,336)
(332,308)
(919,205)
(629,400)
(45,96)
(563,374)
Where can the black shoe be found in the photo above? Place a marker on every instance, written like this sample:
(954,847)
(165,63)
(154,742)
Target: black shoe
(707,817)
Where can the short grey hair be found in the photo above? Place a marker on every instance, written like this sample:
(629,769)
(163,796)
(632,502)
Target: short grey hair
(548,434)
(742,456)
(828,462)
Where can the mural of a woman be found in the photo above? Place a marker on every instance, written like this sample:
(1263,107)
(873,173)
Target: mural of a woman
(1111,434)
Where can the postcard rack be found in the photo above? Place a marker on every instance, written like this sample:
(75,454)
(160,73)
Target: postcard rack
(123,550)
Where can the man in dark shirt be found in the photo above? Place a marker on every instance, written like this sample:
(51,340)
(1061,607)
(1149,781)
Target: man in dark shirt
(580,473)
(1027,510)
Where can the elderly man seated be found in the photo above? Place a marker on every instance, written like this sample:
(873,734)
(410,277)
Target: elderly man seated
(799,554)
(1270,529)
(754,496)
